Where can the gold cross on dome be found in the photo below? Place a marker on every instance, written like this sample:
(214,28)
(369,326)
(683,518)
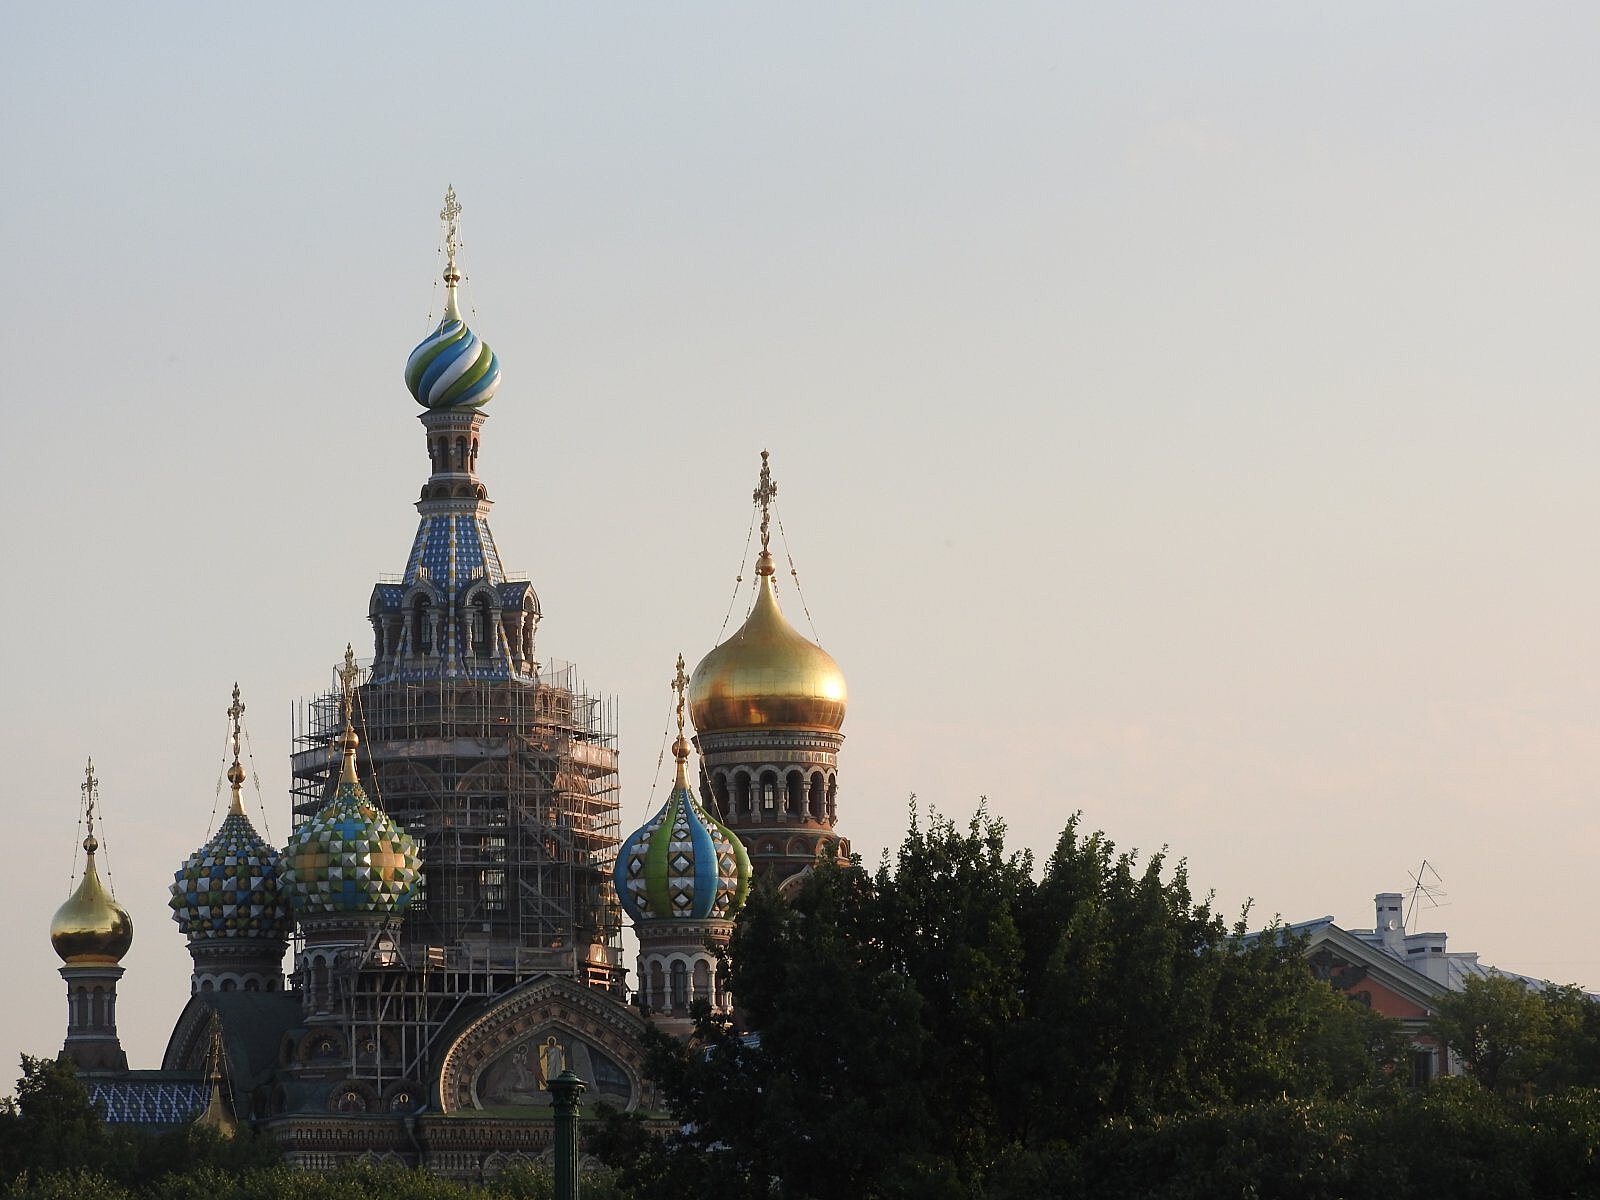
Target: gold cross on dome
(766,491)
(347,679)
(680,682)
(450,214)
(235,712)
(90,788)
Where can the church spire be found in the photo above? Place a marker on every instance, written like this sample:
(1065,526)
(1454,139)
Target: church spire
(450,214)
(768,705)
(91,932)
(236,770)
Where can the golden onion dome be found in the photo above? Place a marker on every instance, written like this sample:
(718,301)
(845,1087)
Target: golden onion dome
(91,926)
(767,674)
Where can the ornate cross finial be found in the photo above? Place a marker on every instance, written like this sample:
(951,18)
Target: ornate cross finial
(235,711)
(90,787)
(680,682)
(236,771)
(764,494)
(450,214)
(347,680)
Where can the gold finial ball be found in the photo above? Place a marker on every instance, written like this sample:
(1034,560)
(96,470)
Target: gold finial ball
(680,748)
(236,774)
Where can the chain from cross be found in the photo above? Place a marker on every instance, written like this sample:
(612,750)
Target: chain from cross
(347,680)
(450,214)
(766,491)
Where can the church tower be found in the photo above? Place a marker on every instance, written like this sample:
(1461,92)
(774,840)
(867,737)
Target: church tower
(227,899)
(92,932)
(767,706)
(498,765)
(682,877)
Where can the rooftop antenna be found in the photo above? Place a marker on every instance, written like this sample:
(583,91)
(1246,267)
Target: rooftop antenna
(1422,888)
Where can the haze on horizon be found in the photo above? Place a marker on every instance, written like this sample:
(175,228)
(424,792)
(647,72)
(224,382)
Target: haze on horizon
(1183,416)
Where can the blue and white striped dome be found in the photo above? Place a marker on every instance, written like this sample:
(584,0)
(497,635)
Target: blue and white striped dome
(453,367)
(682,864)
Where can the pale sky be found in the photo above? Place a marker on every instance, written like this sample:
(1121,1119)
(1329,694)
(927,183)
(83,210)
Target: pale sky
(1181,413)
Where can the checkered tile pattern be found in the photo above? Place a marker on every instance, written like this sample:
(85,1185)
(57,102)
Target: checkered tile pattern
(229,888)
(350,858)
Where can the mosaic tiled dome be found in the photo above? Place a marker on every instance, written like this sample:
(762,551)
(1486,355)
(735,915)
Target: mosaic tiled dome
(229,888)
(453,367)
(683,863)
(350,858)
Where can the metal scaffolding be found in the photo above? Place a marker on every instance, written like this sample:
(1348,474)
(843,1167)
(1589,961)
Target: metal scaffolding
(510,789)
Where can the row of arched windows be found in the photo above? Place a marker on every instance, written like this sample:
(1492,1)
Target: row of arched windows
(673,987)
(93,1008)
(421,625)
(454,456)
(771,796)
(236,983)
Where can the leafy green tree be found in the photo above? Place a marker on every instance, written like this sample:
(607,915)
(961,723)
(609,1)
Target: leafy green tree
(51,1124)
(1573,1058)
(952,1017)
(1499,1028)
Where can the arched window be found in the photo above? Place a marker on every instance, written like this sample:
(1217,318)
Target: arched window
(794,793)
(743,801)
(702,980)
(819,798)
(482,627)
(680,987)
(422,625)
(769,792)
(656,992)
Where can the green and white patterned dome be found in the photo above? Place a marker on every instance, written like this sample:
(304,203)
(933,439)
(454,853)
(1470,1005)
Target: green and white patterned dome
(683,863)
(452,367)
(350,858)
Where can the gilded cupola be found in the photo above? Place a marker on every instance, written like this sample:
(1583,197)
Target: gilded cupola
(767,675)
(91,927)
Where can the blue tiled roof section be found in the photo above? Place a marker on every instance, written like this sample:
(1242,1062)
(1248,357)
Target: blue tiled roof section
(149,1102)
(452,553)
(491,553)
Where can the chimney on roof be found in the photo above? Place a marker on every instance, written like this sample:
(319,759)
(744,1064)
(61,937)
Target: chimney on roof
(1390,924)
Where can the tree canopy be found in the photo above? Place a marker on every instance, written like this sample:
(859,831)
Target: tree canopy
(920,1025)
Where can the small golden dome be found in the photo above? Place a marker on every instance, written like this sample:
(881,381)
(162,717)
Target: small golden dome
(766,675)
(91,927)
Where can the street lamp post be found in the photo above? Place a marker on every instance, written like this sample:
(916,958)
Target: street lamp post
(565,1090)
